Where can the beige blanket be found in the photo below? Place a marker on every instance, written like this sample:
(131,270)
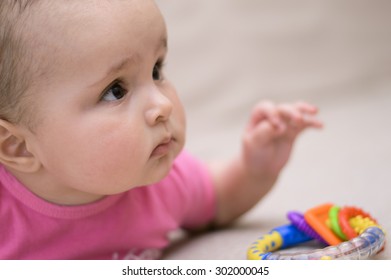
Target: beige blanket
(225,55)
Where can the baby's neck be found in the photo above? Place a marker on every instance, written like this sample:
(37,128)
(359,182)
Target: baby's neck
(43,187)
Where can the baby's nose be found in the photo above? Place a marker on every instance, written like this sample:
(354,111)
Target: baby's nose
(160,108)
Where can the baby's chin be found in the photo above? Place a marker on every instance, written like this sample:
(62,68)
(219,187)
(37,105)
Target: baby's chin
(162,168)
(165,165)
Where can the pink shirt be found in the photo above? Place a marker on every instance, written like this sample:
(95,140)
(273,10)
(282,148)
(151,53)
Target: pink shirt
(130,225)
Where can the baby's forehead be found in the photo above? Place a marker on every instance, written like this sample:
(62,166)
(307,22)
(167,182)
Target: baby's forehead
(66,34)
(58,24)
(67,13)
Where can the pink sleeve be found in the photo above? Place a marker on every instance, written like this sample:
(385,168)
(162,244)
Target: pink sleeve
(193,203)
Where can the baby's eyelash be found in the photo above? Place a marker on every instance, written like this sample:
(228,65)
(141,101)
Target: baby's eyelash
(160,63)
(157,69)
(115,91)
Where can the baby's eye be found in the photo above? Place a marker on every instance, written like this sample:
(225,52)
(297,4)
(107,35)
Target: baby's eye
(115,92)
(156,72)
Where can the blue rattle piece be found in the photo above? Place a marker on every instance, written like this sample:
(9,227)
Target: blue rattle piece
(279,238)
(291,236)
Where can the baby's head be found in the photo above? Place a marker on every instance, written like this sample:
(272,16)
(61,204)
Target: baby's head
(84,105)
(14,61)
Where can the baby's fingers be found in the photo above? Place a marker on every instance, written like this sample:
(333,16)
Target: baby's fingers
(300,115)
(309,114)
(305,107)
(291,115)
(266,111)
(313,121)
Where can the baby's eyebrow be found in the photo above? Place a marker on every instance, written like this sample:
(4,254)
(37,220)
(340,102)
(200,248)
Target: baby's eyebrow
(163,42)
(115,68)
(119,66)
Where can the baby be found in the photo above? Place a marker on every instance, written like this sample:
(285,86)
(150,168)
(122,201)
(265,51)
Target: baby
(92,132)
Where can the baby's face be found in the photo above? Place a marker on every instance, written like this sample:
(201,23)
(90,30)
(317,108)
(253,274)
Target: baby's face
(110,120)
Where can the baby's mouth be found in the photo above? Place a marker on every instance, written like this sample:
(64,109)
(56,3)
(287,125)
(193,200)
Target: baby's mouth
(164,147)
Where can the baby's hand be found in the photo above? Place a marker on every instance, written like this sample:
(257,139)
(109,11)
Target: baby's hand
(268,139)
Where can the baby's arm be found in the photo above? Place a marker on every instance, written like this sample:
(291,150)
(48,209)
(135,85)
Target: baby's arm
(266,147)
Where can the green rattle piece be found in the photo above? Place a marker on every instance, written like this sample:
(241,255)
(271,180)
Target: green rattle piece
(334,222)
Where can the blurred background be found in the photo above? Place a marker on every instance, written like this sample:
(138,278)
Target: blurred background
(226,55)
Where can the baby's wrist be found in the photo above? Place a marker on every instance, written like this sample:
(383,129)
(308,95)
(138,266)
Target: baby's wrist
(264,178)
(259,174)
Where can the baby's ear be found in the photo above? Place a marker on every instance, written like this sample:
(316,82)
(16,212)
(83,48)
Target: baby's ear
(13,149)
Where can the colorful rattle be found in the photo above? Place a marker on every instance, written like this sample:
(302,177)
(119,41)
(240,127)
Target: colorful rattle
(351,233)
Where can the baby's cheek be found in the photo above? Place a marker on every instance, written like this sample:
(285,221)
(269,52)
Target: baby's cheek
(112,160)
(98,162)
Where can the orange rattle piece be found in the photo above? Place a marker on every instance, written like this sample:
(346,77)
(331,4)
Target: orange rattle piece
(345,214)
(317,218)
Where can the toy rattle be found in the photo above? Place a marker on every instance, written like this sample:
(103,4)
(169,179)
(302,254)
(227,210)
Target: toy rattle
(350,233)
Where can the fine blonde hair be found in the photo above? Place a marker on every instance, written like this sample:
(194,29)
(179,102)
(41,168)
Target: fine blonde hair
(15,60)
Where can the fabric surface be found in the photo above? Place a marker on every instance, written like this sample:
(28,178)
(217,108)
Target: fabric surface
(132,225)
(225,55)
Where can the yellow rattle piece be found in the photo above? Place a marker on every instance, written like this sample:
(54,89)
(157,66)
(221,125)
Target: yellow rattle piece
(359,223)
(267,243)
